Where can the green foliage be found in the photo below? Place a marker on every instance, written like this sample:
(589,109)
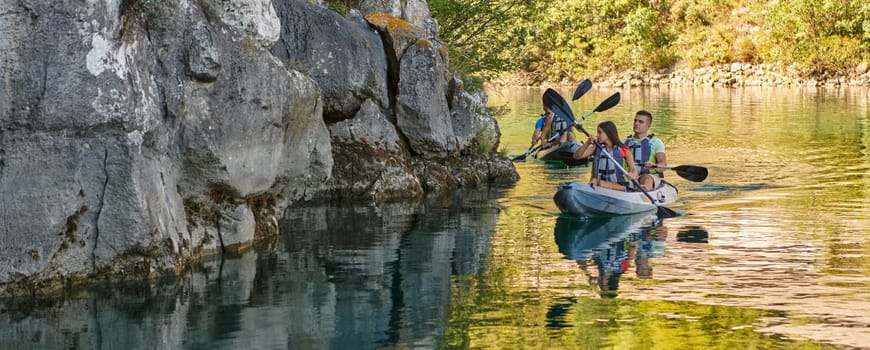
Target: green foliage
(817,37)
(556,40)
(483,140)
(480,34)
(708,46)
(341,7)
(647,38)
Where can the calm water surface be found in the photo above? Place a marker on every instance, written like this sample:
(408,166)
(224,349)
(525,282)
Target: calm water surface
(772,251)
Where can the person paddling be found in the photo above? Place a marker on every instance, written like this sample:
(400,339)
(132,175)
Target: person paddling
(604,172)
(539,126)
(647,149)
(555,125)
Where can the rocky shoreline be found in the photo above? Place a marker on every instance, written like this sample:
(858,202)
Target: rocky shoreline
(723,75)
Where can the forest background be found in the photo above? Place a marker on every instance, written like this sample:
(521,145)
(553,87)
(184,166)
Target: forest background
(530,42)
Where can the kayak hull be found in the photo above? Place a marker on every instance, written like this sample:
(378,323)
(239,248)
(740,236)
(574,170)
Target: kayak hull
(579,199)
(564,152)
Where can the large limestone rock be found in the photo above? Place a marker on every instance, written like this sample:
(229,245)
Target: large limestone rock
(476,130)
(131,142)
(345,57)
(422,113)
(370,160)
(137,136)
(415,12)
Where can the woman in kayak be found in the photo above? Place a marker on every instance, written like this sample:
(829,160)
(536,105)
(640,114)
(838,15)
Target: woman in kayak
(604,171)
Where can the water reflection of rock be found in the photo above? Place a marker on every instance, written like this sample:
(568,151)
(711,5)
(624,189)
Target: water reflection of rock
(612,243)
(390,267)
(339,277)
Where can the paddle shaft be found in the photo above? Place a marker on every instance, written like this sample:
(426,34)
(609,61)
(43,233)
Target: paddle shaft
(532,150)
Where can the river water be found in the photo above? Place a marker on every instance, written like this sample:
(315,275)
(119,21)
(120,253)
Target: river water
(771,251)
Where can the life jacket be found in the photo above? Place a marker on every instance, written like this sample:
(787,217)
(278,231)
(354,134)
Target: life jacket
(558,125)
(642,153)
(604,168)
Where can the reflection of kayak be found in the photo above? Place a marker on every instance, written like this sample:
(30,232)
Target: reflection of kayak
(564,152)
(577,238)
(581,199)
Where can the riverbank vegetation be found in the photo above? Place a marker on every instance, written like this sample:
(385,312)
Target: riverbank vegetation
(552,41)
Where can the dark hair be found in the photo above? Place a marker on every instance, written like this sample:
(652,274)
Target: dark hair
(610,130)
(647,114)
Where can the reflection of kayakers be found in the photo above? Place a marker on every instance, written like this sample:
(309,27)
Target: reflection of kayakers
(577,238)
(612,244)
(604,171)
(647,243)
(612,263)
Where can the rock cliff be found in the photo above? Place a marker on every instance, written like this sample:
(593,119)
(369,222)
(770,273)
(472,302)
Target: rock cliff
(138,135)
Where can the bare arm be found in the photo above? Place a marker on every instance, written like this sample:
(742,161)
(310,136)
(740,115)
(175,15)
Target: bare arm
(546,129)
(632,169)
(586,150)
(661,159)
(536,136)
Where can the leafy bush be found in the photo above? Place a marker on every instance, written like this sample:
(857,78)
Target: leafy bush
(556,40)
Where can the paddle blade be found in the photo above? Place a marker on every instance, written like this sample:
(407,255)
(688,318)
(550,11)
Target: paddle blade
(665,213)
(582,89)
(557,103)
(611,101)
(531,150)
(691,172)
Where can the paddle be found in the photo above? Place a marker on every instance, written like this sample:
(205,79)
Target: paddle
(523,156)
(555,99)
(559,104)
(689,172)
(582,89)
(531,150)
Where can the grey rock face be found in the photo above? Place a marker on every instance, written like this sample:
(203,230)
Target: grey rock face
(203,59)
(346,58)
(415,12)
(138,136)
(371,162)
(476,131)
(128,148)
(422,113)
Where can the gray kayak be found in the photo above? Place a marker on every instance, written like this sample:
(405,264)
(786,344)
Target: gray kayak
(563,152)
(582,199)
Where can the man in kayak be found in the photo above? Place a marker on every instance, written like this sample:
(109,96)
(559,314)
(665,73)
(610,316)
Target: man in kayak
(604,172)
(539,126)
(647,149)
(555,125)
